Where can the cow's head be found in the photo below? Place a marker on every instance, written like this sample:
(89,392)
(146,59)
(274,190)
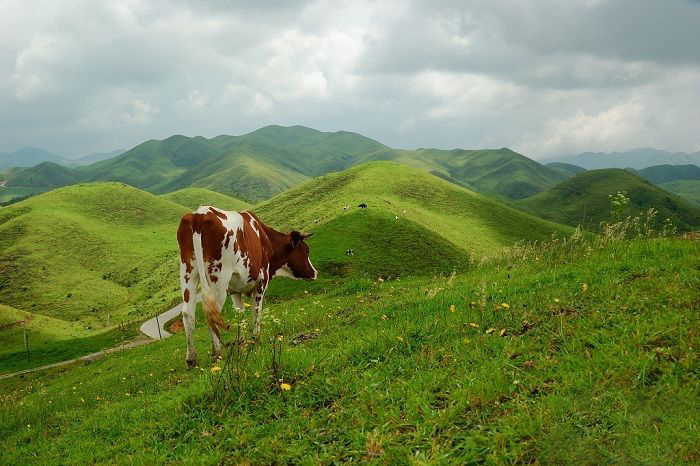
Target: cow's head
(298,258)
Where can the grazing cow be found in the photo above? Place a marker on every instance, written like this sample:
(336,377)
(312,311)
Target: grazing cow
(234,253)
(362,206)
(350,252)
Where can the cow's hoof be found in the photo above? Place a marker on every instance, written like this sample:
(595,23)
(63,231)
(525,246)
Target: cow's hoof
(191,363)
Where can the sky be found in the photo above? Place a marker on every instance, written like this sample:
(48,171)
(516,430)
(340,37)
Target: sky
(543,77)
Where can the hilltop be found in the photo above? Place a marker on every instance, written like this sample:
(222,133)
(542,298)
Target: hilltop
(583,200)
(43,175)
(192,198)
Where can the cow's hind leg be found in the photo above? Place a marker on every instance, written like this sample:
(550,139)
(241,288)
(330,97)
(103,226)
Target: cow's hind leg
(257,309)
(220,297)
(188,285)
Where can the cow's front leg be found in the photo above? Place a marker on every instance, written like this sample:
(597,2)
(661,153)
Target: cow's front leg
(257,310)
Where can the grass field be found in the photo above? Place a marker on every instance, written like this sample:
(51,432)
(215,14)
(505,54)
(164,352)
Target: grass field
(192,198)
(89,255)
(581,352)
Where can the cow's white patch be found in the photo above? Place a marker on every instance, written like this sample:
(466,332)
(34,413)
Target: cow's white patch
(252,225)
(284,271)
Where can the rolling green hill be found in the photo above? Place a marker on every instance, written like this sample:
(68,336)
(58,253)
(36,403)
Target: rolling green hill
(583,200)
(664,173)
(192,198)
(260,164)
(687,189)
(567,169)
(95,254)
(435,218)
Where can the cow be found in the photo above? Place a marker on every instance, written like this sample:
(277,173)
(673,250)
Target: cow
(233,253)
(362,206)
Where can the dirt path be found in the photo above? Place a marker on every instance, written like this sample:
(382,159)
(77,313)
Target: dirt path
(150,329)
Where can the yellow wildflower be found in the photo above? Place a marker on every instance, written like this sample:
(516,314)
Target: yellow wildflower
(490,331)
(556,300)
(505,305)
(246,305)
(400,338)
(474,324)
(452,307)
(384,317)
(584,287)
(215,369)
(285,386)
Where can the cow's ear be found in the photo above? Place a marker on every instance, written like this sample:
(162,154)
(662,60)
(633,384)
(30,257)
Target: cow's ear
(296,238)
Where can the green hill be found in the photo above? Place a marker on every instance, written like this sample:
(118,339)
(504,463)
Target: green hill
(96,254)
(687,189)
(435,218)
(44,175)
(583,200)
(192,198)
(664,173)
(566,169)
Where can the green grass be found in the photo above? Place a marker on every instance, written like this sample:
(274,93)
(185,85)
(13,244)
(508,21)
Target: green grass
(50,340)
(192,198)
(391,372)
(687,189)
(583,200)
(90,254)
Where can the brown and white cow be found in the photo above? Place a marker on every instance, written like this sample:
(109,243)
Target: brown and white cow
(234,253)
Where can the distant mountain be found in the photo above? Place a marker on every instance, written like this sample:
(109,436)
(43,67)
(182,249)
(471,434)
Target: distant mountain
(95,157)
(566,169)
(637,159)
(258,165)
(583,200)
(665,173)
(28,157)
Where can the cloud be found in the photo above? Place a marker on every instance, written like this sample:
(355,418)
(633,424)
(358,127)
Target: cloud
(544,77)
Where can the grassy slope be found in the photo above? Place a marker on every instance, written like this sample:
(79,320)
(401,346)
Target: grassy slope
(583,199)
(192,198)
(386,372)
(85,251)
(687,189)
(494,171)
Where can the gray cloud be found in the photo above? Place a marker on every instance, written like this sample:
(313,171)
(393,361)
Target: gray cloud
(544,77)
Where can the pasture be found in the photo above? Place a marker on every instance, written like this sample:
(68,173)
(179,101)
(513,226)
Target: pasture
(584,351)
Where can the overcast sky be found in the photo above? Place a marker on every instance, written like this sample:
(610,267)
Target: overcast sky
(544,77)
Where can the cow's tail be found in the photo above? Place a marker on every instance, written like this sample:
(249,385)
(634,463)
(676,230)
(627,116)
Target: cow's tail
(211,310)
